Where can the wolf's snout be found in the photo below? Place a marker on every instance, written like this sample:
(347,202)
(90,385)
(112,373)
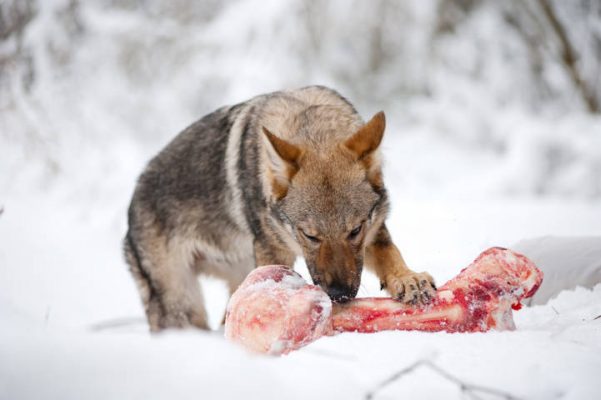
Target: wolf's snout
(340,293)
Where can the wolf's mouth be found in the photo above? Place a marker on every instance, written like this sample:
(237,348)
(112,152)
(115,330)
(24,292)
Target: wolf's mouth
(340,293)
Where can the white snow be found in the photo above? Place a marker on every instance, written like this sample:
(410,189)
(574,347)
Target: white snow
(63,283)
(471,162)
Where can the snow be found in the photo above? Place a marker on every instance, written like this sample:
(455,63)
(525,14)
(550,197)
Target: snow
(474,157)
(62,277)
(549,356)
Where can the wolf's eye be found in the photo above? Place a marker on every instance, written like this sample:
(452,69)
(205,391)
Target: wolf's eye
(311,238)
(355,232)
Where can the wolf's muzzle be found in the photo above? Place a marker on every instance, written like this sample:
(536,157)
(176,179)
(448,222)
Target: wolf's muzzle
(340,293)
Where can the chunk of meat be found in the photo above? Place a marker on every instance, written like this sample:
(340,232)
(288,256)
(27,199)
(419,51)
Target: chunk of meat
(275,311)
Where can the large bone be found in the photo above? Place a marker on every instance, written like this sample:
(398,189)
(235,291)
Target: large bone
(275,311)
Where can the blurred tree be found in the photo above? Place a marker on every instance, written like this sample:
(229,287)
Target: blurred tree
(548,33)
(14,17)
(568,54)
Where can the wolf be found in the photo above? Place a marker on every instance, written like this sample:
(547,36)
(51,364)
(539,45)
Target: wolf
(282,175)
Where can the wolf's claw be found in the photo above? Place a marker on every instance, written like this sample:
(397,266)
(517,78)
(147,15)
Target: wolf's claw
(412,288)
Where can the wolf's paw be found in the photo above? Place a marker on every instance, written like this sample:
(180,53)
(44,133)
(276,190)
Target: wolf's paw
(412,287)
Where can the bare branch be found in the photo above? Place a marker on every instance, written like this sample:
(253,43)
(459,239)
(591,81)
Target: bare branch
(469,389)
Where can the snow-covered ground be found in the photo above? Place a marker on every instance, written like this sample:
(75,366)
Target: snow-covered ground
(470,163)
(73,327)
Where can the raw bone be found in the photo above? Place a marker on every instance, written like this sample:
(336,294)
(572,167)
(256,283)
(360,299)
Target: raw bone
(275,311)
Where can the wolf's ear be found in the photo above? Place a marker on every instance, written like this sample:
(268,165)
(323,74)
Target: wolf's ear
(367,139)
(282,160)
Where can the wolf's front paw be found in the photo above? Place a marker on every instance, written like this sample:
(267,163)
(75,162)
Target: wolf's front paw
(411,287)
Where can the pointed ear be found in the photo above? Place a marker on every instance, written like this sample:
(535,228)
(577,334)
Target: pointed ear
(282,163)
(287,152)
(367,139)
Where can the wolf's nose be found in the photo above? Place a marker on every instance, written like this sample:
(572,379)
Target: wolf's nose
(340,293)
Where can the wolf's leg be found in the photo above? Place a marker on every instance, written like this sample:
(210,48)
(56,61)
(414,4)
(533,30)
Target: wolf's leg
(233,282)
(168,284)
(233,273)
(148,291)
(385,259)
(270,252)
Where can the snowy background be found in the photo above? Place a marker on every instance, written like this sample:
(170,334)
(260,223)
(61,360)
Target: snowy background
(494,135)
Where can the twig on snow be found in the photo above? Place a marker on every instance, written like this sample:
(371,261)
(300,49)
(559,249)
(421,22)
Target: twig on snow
(116,323)
(397,375)
(469,389)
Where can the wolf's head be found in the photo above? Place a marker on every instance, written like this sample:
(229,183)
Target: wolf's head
(329,195)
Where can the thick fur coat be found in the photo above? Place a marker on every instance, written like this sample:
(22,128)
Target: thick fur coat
(286,174)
